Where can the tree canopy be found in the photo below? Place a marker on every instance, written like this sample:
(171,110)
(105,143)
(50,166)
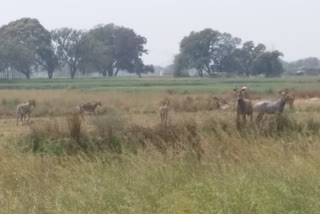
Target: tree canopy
(110,48)
(25,45)
(210,51)
(269,64)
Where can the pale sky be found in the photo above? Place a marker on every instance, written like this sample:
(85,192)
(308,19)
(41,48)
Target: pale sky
(291,26)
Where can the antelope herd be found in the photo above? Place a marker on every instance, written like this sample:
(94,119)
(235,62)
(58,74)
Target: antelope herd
(243,105)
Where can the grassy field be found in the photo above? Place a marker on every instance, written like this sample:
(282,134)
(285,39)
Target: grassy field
(124,161)
(180,85)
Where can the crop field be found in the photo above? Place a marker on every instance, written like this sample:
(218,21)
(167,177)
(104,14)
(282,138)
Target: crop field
(150,84)
(124,161)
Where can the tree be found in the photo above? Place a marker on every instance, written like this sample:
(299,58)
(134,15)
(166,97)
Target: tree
(241,61)
(269,64)
(49,61)
(99,53)
(24,41)
(69,49)
(180,67)
(110,48)
(128,49)
(306,63)
(140,68)
(207,50)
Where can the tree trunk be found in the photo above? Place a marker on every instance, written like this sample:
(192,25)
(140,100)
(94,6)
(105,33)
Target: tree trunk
(104,73)
(117,71)
(73,72)
(110,72)
(27,74)
(139,74)
(200,73)
(50,74)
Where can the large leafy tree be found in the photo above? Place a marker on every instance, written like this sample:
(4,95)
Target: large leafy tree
(49,61)
(24,43)
(129,48)
(241,61)
(207,50)
(110,48)
(69,48)
(99,50)
(269,64)
(180,66)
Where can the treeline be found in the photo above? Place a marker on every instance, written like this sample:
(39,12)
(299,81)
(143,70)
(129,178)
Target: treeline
(27,47)
(210,52)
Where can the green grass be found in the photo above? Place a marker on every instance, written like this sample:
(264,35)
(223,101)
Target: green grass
(179,85)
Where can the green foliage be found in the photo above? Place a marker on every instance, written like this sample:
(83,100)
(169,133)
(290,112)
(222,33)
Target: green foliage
(241,61)
(269,64)
(210,51)
(180,66)
(205,51)
(25,45)
(110,48)
(306,63)
(69,49)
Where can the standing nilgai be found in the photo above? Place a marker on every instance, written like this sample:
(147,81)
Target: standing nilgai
(244,106)
(164,110)
(88,107)
(24,109)
(290,96)
(271,107)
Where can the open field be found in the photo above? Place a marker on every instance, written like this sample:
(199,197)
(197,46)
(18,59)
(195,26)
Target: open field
(124,161)
(150,84)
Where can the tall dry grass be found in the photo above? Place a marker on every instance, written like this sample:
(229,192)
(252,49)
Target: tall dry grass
(124,161)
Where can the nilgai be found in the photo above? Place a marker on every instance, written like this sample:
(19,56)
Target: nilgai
(24,109)
(290,96)
(244,106)
(164,110)
(88,107)
(271,107)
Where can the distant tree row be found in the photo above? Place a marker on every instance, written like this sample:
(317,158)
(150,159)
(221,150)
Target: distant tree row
(298,65)
(27,47)
(211,52)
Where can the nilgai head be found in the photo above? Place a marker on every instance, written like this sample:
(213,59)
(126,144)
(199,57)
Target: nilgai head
(285,90)
(245,87)
(284,96)
(32,102)
(239,92)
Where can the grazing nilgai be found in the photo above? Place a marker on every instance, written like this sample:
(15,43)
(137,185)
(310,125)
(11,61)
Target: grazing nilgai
(24,109)
(88,107)
(271,107)
(290,96)
(244,106)
(164,110)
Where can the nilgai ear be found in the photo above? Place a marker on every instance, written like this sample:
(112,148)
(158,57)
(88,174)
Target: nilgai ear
(235,89)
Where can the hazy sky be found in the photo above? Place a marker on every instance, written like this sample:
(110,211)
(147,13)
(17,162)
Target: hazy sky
(291,26)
